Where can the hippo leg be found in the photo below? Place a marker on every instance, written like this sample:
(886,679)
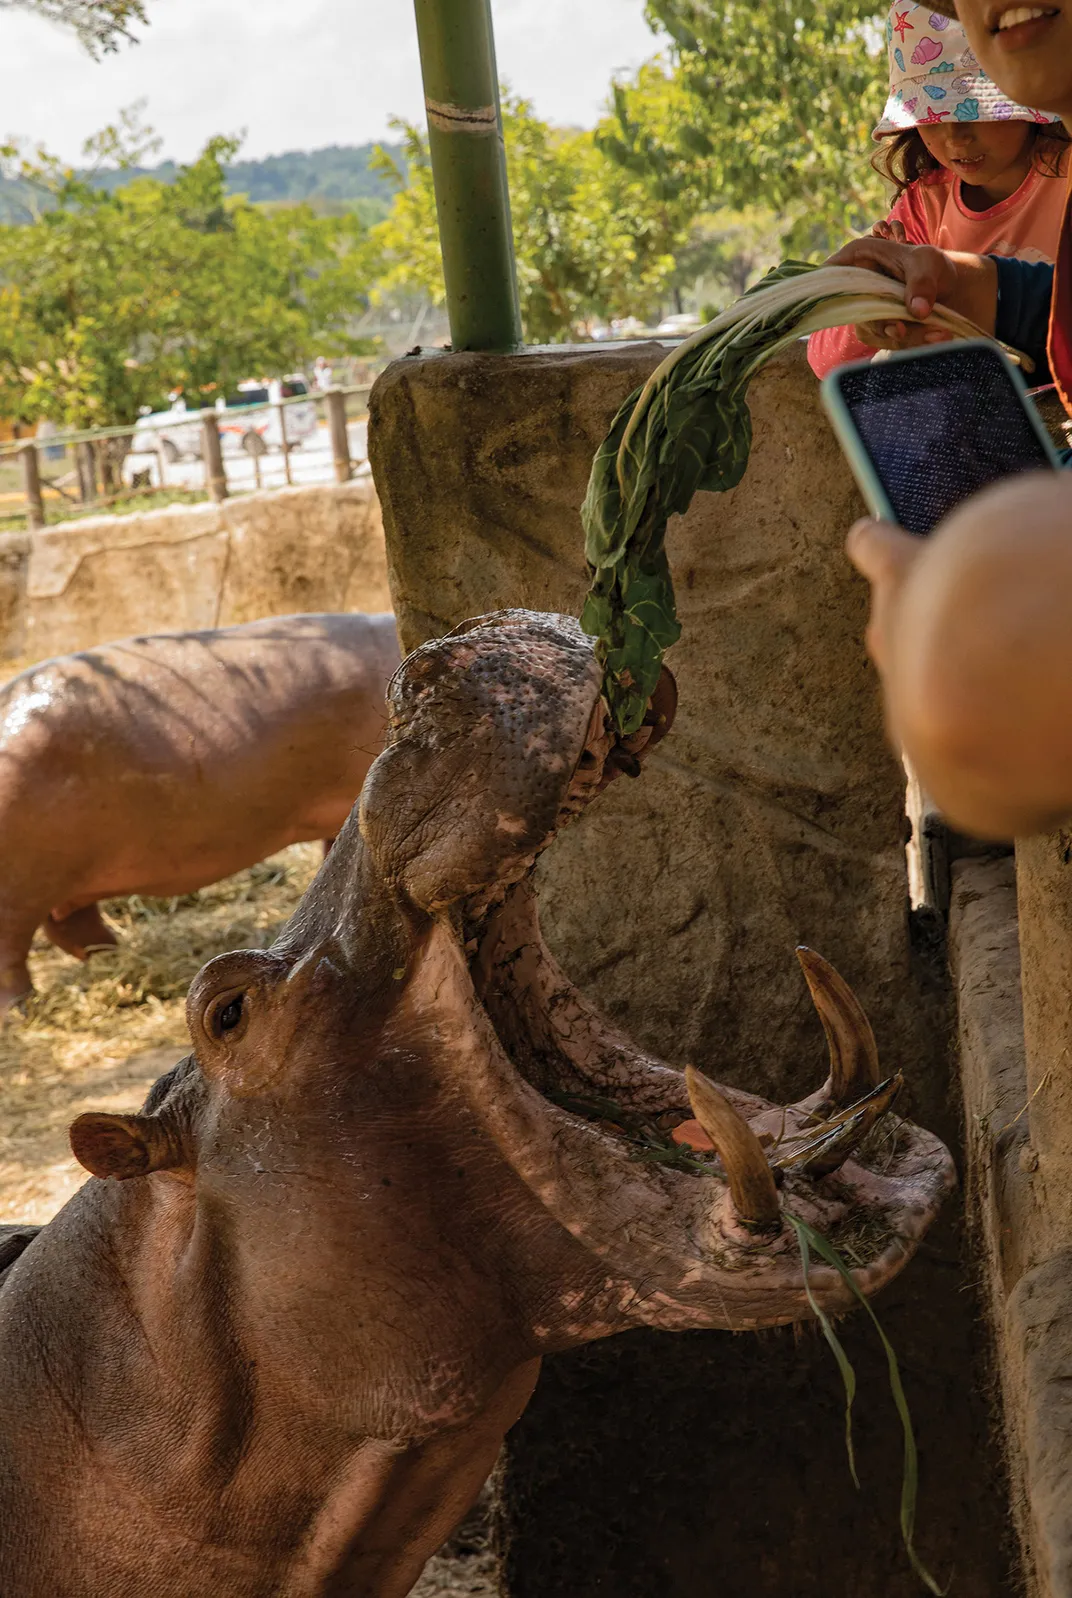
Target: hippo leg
(326,844)
(16,935)
(81,932)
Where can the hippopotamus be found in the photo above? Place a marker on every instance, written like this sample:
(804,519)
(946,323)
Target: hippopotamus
(273,1346)
(157,765)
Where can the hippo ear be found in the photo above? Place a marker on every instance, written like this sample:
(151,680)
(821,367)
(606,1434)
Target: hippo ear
(125,1145)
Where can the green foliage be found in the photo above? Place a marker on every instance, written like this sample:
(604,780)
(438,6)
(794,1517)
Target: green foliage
(108,300)
(771,103)
(688,428)
(100,24)
(332,181)
(591,239)
(725,253)
(337,174)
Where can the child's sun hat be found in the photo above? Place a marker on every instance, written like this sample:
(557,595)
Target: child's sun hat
(935,76)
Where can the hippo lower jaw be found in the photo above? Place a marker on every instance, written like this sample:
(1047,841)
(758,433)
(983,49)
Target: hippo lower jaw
(579,1112)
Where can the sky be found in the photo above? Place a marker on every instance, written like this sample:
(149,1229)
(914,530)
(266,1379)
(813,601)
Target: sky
(296,74)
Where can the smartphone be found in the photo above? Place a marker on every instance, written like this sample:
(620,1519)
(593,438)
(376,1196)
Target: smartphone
(926,428)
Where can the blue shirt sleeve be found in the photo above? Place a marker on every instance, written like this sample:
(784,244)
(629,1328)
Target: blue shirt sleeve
(1023,319)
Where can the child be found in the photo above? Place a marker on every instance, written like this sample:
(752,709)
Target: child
(973,171)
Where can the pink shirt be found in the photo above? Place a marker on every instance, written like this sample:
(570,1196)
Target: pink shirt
(1027,226)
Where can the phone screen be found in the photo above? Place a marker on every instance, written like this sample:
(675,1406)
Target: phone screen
(940,427)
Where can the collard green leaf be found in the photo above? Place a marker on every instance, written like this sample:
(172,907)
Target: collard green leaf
(689,428)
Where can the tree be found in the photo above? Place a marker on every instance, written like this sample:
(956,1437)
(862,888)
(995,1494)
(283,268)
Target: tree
(110,300)
(100,24)
(591,239)
(768,105)
(726,252)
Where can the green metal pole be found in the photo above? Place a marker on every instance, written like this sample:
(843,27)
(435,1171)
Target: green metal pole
(465,137)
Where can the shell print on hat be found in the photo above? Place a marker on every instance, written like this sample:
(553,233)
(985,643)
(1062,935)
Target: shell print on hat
(935,77)
(926,50)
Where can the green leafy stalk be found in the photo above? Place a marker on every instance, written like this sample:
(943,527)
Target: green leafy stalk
(808,1238)
(689,428)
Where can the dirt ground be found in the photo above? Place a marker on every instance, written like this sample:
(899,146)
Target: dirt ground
(96,1036)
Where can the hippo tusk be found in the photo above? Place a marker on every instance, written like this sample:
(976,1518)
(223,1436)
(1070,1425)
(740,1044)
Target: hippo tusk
(829,1145)
(853,1053)
(752,1185)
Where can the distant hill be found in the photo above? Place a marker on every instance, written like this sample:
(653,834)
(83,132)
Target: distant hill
(333,179)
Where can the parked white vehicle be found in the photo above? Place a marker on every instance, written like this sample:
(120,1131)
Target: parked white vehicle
(176,434)
(262,431)
(679,326)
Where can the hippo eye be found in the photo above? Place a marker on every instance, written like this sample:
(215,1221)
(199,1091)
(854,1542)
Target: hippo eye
(227,1016)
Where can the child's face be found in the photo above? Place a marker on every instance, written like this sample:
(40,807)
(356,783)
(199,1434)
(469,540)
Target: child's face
(981,153)
(1031,61)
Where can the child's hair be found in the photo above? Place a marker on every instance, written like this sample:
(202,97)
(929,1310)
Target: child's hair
(903,157)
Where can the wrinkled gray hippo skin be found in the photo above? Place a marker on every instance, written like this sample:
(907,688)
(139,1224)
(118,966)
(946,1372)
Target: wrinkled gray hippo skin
(271,1351)
(157,765)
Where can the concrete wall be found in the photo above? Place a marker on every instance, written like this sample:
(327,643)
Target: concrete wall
(1039,1337)
(773,814)
(1016,1114)
(79,583)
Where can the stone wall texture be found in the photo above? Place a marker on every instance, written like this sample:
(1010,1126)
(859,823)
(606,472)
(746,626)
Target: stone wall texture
(772,815)
(1015,1168)
(80,583)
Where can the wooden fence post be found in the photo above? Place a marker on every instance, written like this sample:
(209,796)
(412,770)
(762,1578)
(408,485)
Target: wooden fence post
(215,475)
(31,478)
(86,457)
(283,443)
(335,400)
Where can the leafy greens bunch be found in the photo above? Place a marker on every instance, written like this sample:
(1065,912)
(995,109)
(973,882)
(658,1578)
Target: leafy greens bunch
(689,428)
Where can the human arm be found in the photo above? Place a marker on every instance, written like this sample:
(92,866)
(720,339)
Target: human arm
(971,630)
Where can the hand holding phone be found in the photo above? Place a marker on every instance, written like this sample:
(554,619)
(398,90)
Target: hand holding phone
(925,429)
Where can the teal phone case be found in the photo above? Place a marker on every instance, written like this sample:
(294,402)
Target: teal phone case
(853,446)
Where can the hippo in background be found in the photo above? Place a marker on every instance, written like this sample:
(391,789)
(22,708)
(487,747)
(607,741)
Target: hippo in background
(274,1348)
(158,765)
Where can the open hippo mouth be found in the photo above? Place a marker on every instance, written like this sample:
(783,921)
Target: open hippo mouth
(498,738)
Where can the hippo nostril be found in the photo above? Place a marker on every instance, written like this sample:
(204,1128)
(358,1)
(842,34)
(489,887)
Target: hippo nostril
(622,760)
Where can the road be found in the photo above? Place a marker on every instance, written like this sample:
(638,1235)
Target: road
(310,463)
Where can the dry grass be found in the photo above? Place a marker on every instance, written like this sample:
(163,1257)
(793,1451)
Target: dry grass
(96,1036)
